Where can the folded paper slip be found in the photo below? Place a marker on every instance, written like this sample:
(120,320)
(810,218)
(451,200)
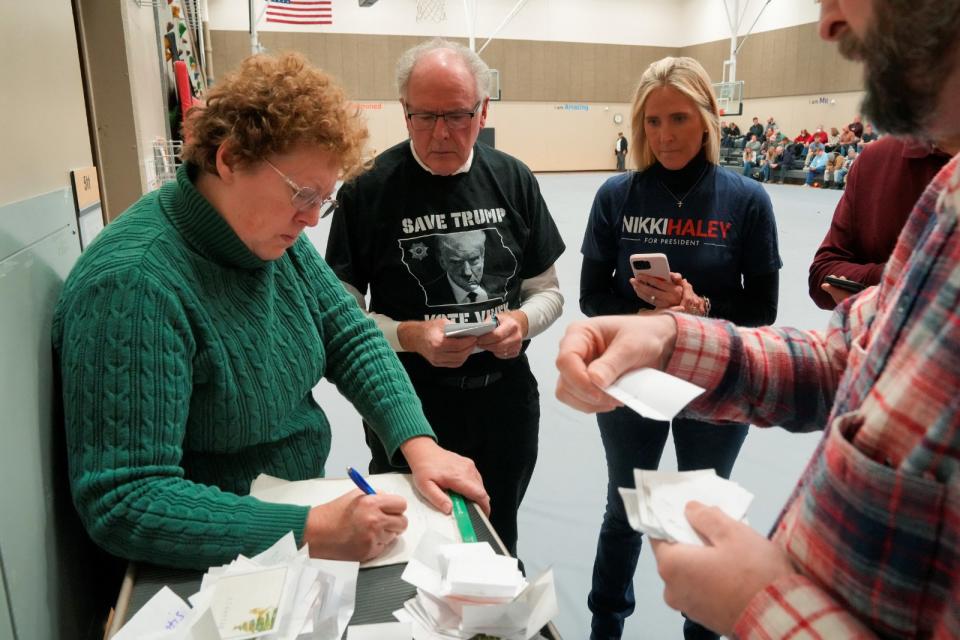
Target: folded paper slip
(654,394)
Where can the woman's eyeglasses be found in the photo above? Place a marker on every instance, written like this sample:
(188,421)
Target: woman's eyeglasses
(306,198)
(453,119)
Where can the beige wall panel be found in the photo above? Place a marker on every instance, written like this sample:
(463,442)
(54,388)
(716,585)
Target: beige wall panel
(332,56)
(786,69)
(507,65)
(809,64)
(564,61)
(288,41)
(558,62)
(628,65)
(791,61)
(519,51)
(770,51)
(358,51)
(379,56)
(41,101)
(607,83)
(711,55)
(530,70)
(541,70)
(592,56)
(228,48)
(748,62)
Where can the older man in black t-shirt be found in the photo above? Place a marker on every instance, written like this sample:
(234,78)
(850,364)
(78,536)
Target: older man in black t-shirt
(441,230)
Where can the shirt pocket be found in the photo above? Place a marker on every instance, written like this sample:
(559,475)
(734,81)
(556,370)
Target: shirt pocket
(855,383)
(869,534)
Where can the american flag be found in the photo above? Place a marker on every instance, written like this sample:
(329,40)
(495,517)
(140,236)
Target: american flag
(300,11)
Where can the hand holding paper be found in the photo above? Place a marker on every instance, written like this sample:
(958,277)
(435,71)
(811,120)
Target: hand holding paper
(714,583)
(656,507)
(594,353)
(654,394)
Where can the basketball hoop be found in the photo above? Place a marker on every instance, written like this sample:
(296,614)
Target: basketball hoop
(729,97)
(431,10)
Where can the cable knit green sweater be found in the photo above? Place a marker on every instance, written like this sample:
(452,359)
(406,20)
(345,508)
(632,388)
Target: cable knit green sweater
(187,365)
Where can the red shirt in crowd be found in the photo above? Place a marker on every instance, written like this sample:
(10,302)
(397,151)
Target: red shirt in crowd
(884,183)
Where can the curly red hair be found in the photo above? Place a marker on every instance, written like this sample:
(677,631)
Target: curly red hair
(270,105)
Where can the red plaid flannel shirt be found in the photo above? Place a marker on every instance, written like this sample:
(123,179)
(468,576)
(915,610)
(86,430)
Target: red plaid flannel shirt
(873,525)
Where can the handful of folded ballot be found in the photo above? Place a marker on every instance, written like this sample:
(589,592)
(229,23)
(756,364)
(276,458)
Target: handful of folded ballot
(281,594)
(656,506)
(467,589)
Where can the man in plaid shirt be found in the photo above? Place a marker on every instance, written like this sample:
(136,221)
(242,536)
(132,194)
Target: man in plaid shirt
(869,543)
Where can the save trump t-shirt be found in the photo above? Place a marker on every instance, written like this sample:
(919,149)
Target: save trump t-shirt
(429,246)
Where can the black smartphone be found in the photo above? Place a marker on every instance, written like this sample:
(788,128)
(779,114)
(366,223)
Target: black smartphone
(846,285)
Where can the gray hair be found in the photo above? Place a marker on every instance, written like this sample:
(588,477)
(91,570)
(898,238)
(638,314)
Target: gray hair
(477,67)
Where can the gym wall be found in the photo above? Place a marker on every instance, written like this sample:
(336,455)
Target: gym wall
(559,98)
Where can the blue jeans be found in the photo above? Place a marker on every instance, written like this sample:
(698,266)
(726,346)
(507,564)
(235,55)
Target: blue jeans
(767,172)
(631,441)
(748,168)
(814,174)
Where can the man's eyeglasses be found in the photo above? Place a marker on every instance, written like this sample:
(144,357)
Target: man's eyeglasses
(453,119)
(306,198)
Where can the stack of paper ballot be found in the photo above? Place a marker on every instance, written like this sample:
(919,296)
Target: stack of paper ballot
(281,594)
(656,506)
(467,589)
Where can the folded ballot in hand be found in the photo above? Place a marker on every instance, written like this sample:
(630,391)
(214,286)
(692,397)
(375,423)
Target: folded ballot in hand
(653,394)
(656,506)
(467,589)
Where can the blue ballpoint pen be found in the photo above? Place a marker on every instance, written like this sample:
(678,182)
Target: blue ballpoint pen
(358,480)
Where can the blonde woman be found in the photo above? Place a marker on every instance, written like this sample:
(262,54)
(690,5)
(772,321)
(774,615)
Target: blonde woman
(717,229)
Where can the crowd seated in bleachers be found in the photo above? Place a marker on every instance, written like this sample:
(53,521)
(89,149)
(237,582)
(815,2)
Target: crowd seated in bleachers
(816,159)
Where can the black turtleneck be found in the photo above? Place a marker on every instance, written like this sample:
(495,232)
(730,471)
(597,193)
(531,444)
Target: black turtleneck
(754,305)
(681,181)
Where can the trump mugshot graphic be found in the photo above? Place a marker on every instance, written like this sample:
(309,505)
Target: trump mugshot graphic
(462,268)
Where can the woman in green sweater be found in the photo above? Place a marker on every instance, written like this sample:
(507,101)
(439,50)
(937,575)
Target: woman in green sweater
(191,333)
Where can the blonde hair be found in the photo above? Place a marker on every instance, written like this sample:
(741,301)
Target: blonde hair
(687,76)
(270,105)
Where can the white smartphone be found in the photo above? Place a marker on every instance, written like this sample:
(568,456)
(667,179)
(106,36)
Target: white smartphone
(650,264)
(460,329)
